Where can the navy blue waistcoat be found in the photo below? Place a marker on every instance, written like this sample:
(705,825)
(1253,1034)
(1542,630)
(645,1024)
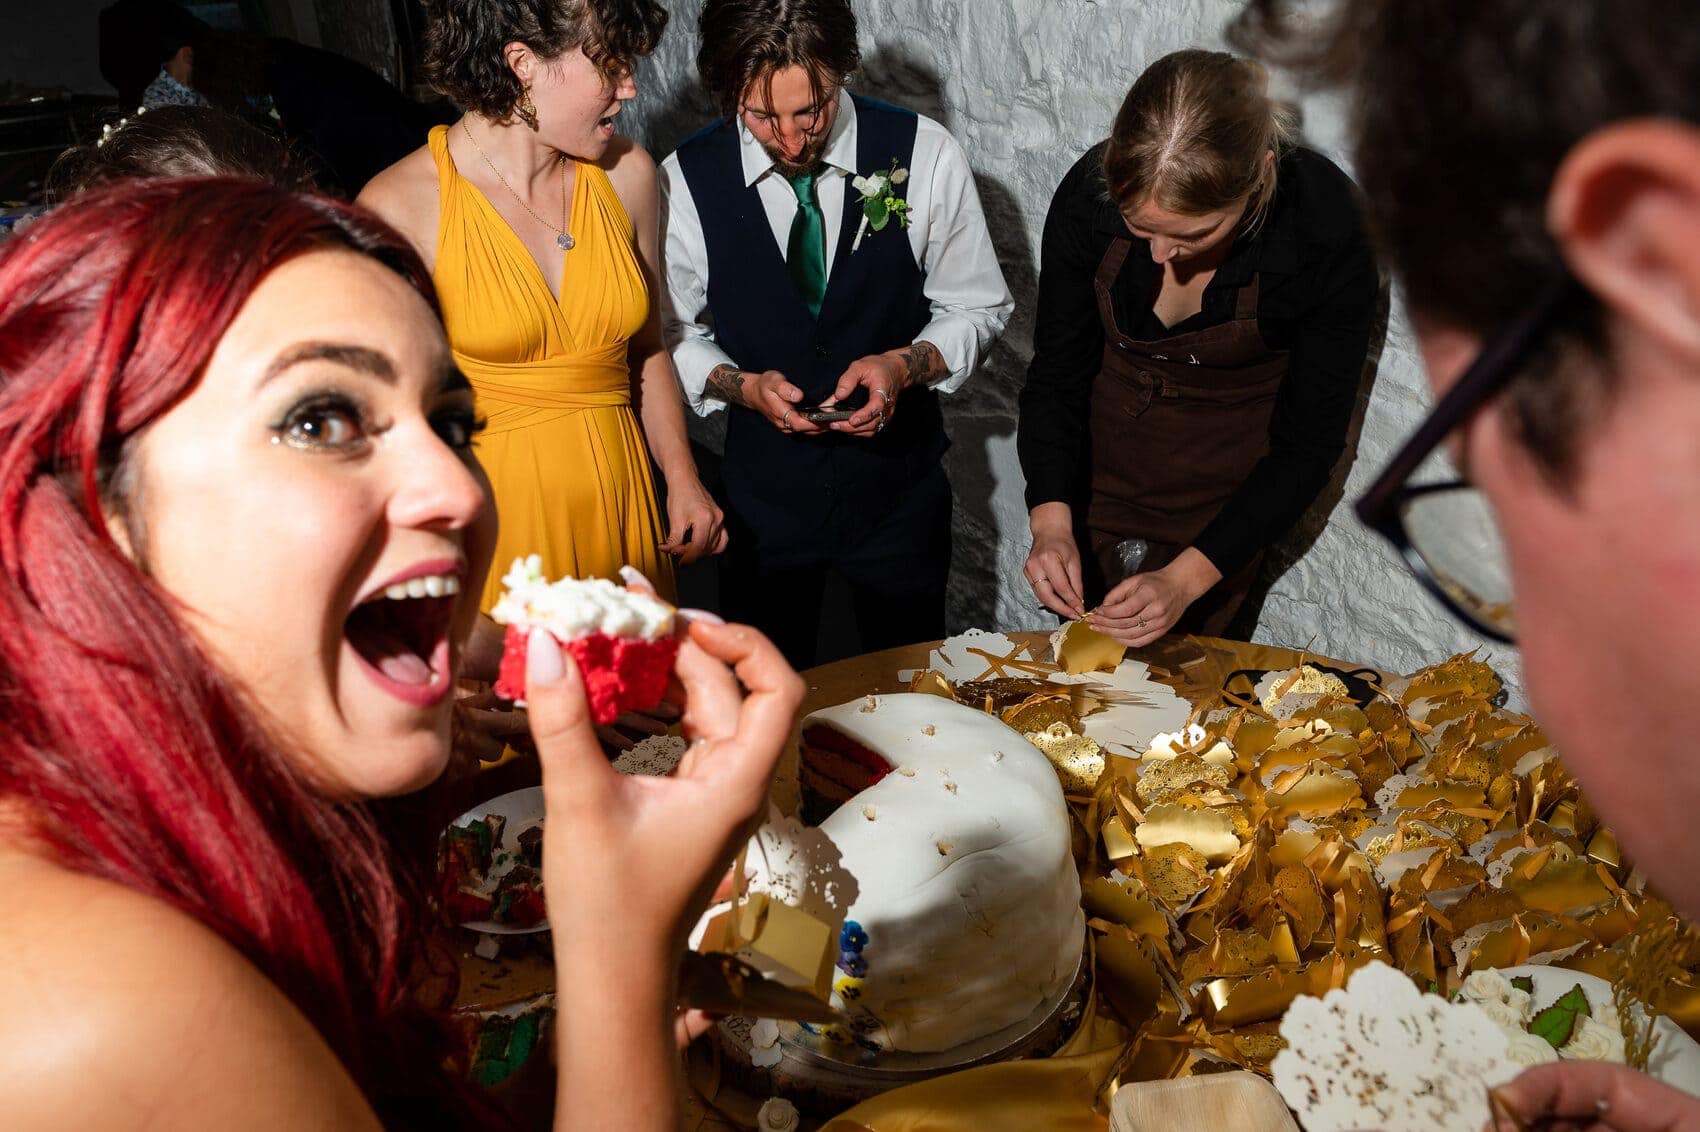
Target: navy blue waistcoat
(785,487)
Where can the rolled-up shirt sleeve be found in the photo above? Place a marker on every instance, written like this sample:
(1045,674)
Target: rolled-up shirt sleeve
(685,317)
(1052,437)
(964,285)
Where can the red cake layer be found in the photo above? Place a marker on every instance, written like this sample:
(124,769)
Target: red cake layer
(833,769)
(620,674)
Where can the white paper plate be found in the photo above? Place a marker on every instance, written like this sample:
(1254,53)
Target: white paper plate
(522,809)
(1676,1057)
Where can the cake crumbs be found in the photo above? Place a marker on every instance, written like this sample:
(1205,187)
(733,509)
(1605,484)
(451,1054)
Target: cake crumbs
(929,729)
(906,771)
(997,756)
(869,705)
(950,785)
(870,813)
(945,848)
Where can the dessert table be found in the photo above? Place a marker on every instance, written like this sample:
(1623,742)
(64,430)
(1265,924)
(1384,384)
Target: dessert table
(522,973)
(1412,827)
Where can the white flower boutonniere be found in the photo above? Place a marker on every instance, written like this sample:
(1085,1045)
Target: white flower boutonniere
(880,202)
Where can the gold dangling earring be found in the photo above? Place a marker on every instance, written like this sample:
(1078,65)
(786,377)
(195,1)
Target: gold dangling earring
(527,110)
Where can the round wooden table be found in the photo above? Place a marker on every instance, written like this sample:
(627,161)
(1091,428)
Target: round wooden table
(1195,667)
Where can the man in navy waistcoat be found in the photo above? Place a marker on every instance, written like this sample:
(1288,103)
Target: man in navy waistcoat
(829,250)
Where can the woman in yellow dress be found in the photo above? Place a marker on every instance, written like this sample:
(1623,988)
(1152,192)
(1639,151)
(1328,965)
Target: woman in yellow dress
(539,223)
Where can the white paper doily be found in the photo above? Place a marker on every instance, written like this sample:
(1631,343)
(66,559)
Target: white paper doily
(1381,1054)
(956,660)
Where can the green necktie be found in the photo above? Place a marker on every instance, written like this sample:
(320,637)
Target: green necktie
(806,255)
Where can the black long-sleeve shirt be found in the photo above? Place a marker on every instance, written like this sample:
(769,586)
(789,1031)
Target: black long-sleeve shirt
(1316,299)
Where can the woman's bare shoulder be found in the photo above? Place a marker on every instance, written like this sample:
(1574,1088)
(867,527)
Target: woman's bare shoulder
(121,1010)
(406,196)
(631,170)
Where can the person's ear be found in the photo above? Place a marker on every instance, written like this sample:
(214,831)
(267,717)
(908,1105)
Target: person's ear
(1625,211)
(520,60)
(181,66)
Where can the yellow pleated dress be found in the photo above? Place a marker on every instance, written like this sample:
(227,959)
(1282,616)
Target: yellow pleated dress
(563,448)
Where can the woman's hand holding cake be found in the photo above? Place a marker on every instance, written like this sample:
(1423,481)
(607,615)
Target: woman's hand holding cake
(630,861)
(623,639)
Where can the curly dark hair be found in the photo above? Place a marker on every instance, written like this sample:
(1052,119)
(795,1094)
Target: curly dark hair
(743,42)
(464,41)
(1462,113)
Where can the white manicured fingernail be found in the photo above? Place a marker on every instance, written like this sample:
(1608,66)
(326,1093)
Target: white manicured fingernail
(634,577)
(542,658)
(702,615)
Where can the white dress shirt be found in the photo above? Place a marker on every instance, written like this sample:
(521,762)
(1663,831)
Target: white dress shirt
(947,234)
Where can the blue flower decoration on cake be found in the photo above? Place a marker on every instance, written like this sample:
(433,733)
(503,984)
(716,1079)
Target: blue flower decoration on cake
(851,939)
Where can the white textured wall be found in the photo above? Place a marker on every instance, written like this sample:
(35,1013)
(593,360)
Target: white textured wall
(1026,86)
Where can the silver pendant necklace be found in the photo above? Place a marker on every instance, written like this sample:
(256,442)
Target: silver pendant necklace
(563,238)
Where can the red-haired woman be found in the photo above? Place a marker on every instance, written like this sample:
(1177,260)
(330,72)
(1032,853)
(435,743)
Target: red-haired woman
(228,424)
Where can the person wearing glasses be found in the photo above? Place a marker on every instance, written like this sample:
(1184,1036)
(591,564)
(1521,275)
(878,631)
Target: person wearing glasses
(1206,294)
(830,274)
(1551,264)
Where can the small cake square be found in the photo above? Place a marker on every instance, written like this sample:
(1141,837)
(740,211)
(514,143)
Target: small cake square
(621,640)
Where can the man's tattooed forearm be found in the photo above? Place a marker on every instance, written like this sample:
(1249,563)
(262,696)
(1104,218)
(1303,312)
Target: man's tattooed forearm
(924,362)
(726,382)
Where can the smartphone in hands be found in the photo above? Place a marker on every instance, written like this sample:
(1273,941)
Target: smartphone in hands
(814,414)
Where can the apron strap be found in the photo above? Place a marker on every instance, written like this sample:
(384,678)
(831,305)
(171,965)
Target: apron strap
(1245,306)
(1108,269)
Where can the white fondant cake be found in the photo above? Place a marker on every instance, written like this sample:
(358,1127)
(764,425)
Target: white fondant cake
(964,916)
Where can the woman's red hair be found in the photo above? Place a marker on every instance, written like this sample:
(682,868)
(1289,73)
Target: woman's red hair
(138,759)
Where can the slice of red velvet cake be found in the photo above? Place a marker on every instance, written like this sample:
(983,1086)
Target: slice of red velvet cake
(621,640)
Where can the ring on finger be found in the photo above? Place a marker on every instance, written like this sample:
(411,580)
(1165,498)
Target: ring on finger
(785,421)
(1140,624)
(883,395)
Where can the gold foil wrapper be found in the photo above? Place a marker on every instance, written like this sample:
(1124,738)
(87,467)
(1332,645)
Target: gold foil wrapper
(932,683)
(1210,832)
(1161,780)
(1174,873)
(1079,761)
(1041,712)
(1079,648)
(1254,875)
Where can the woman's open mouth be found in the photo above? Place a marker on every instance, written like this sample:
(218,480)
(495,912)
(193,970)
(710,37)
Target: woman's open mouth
(401,636)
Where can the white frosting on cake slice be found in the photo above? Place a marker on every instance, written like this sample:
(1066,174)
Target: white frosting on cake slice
(965,888)
(577,607)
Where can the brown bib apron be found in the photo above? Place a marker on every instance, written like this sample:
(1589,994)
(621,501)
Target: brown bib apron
(1177,425)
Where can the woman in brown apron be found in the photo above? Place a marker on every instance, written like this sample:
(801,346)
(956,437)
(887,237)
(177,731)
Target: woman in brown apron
(1204,311)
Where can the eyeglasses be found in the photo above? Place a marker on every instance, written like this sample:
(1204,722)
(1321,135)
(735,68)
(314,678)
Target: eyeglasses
(1445,531)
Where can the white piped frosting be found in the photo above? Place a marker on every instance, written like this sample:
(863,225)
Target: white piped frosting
(964,882)
(577,607)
